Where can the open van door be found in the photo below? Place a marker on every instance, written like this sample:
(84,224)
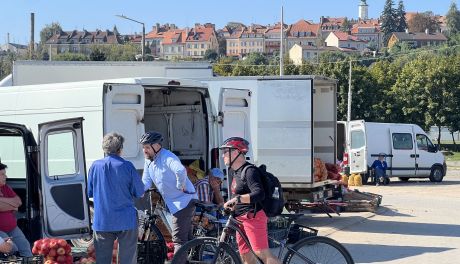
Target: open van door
(65,211)
(403,161)
(234,113)
(358,147)
(124,113)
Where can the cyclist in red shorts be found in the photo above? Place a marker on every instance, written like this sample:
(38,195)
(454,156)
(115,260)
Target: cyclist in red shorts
(248,193)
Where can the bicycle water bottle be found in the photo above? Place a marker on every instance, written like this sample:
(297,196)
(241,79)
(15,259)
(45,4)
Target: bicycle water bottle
(276,193)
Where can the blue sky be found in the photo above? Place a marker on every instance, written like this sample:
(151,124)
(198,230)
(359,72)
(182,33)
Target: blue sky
(100,14)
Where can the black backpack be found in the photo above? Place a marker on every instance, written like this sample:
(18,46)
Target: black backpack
(272,204)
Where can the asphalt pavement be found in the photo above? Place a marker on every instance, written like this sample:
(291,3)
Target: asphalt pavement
(417,222)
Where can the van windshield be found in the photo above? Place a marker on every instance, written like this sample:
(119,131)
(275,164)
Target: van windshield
(357,139)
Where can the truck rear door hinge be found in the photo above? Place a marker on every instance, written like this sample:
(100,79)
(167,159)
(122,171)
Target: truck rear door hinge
(32,149)
(220,118)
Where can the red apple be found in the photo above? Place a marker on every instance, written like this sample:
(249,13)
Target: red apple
(52,253)
(60,251)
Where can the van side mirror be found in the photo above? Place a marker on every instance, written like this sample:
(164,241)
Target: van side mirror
(433,149)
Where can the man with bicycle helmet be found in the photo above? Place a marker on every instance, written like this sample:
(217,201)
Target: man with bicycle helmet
(165,170)
(248,193)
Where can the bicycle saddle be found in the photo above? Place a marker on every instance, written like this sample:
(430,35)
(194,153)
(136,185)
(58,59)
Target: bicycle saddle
(207,207)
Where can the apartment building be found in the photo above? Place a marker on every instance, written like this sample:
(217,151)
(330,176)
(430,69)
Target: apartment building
(200,39)
(303,33)
(173,45)
(154,38)
(330,24)
(368,30)
(273,38)
(233,42)
(417,39)
(344,40)
(301,53)
(81,41)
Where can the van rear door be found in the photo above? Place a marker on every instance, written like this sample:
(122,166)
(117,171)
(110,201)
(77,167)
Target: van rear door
(403,161)
(285,131)
(358,147)
(65,211)
(234,110)
(124,113)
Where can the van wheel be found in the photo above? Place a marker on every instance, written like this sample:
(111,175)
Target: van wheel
(436,174)
(85,242)
(404,179)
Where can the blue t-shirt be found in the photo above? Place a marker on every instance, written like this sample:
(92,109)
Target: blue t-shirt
(114,183)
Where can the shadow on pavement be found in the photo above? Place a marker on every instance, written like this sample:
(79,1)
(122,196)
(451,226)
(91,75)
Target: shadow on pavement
(386,211)
(363,253)
(419,229)
(420,182)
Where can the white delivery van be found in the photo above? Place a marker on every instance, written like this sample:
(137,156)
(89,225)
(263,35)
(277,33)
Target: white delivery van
(408,150)
(50,178)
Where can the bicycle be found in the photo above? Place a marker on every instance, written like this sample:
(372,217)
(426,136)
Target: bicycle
(314,249)
(151,242)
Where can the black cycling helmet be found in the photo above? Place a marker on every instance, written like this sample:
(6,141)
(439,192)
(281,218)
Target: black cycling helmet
(241,144)
(151,137)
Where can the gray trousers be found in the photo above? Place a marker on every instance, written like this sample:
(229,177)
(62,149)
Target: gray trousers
(127,246)
(182,225)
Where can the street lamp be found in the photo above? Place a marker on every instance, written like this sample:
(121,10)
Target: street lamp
(143,32)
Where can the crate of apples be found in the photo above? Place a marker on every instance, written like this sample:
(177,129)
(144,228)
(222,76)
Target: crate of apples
(91,259)
(54,251)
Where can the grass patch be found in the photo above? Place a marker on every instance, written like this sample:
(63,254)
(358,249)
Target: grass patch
(453,156)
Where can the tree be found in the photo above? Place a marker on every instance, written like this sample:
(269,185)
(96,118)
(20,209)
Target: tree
(97,55)
(210,55)
(48,31)
(453,19)
(422,21)
(401,24)
(67,56)
(389,23)
(222,42)
(346,25)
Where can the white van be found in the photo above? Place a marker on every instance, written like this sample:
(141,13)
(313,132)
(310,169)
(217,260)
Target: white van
(408,150)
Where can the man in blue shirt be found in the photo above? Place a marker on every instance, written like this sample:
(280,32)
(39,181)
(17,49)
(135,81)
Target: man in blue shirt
(380,166)
(165,170)
(113,183)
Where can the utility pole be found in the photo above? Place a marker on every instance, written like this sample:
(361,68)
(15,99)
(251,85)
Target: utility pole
(143,32)
(349,96)
(281,44)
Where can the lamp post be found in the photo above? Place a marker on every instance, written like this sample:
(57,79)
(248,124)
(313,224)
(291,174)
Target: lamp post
(143,32)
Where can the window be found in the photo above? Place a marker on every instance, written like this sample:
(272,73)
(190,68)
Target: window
(357,139)
(424,143)
(61,154)
(13,155)
(402,141)
(202,46)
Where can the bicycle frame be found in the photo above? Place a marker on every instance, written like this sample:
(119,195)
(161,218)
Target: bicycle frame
(234,224)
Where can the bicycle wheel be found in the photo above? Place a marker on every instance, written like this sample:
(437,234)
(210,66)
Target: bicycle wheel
(318,250)
(153,250)
(203,250)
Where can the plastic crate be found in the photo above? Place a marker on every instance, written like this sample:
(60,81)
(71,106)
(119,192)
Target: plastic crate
(151,252)
(297,232)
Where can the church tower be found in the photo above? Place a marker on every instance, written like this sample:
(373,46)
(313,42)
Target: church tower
(363,10)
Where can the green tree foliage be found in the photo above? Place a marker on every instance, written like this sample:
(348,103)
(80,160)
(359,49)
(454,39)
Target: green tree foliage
(97,55)
(210,55)
(222,46)
(422,21)
(48,31)
(453,19)
(68,56)
(346,25)
(223,67)
(401,23)
(389,21)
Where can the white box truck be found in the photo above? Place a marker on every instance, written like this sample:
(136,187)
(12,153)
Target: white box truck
(289,121)
(408,150)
